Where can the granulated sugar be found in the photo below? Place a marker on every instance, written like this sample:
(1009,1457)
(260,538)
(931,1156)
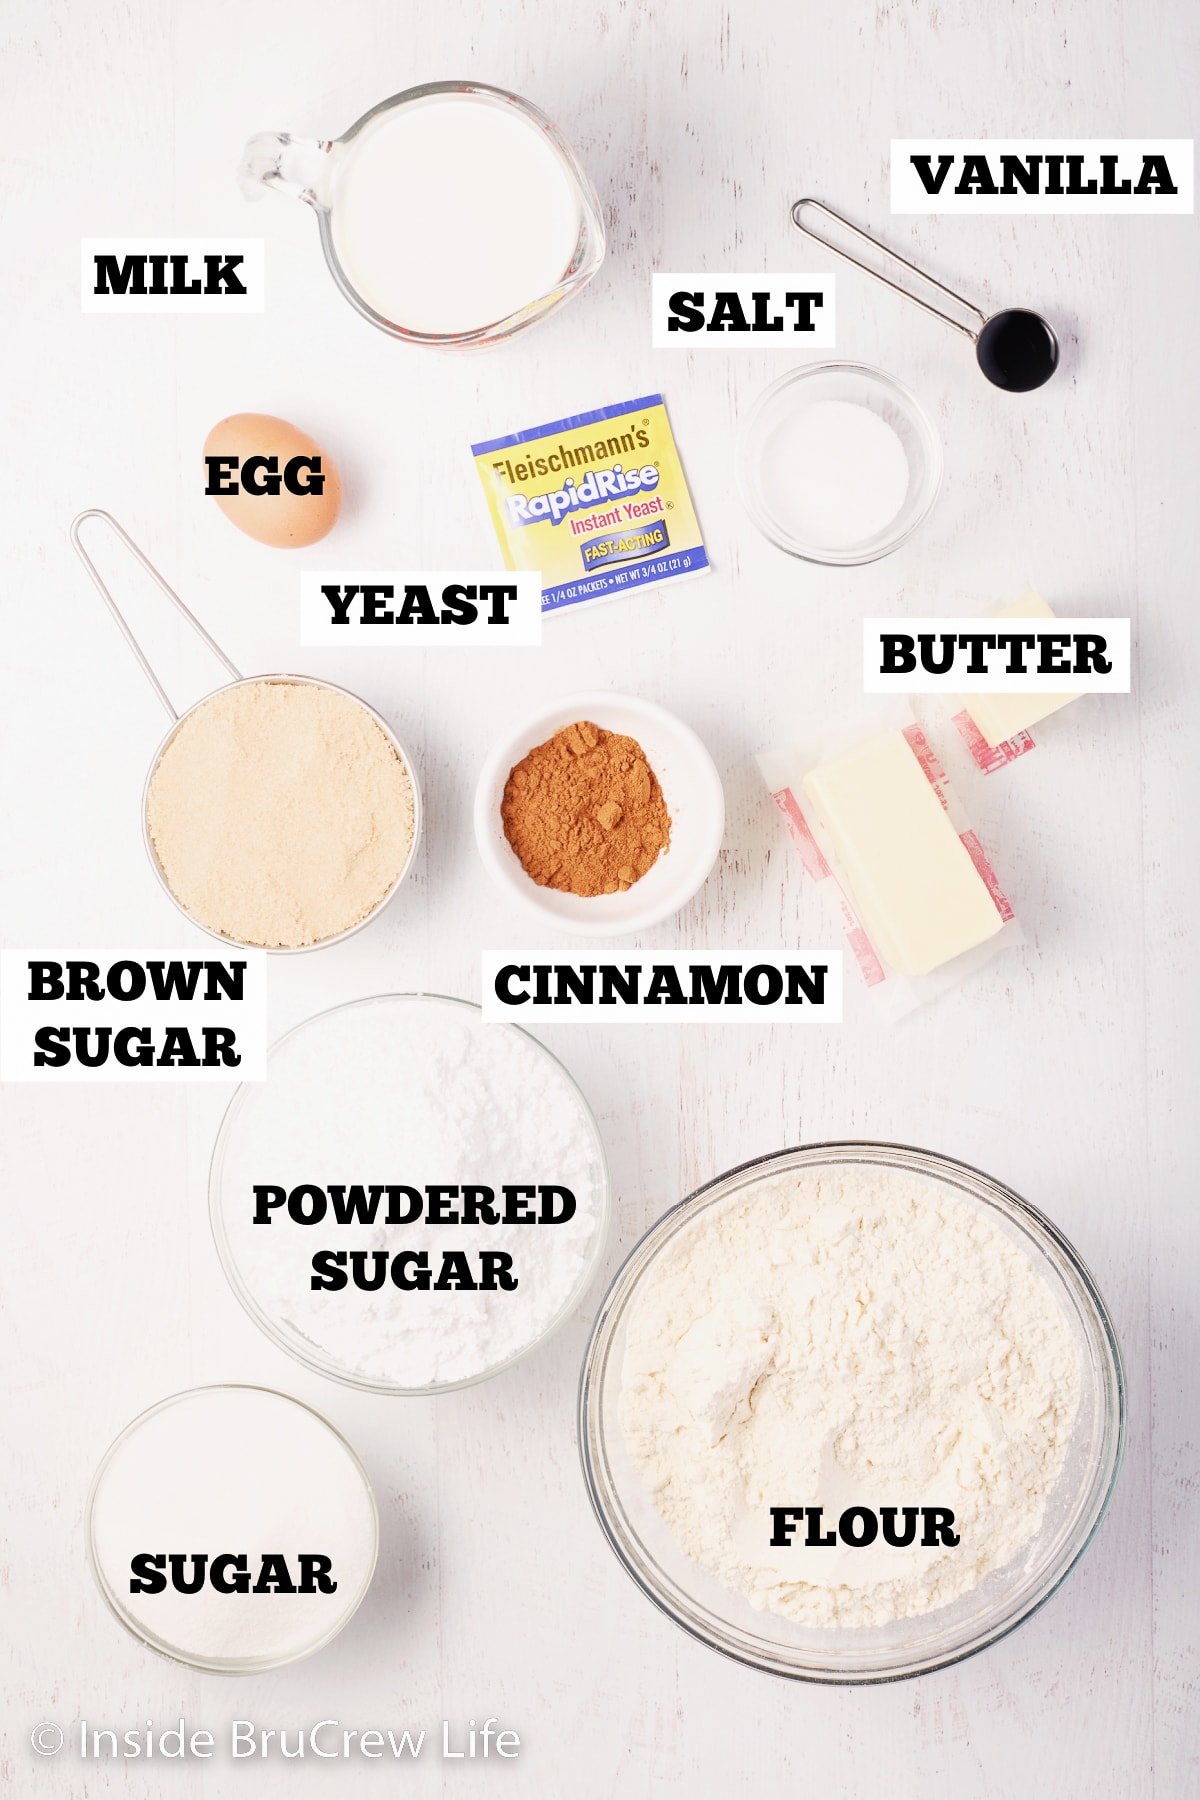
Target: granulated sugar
(233,1472)
(414,1091)
(280,813)
(853,1336)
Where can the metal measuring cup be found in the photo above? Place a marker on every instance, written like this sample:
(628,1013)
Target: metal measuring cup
(237,680)
(1016,349)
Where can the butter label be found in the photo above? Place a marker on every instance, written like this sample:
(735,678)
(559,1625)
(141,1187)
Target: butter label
(598,502)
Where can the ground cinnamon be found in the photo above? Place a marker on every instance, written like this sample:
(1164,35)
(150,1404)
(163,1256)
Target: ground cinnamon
(584,812)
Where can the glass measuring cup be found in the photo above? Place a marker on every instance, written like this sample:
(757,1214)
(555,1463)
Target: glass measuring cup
(454,214)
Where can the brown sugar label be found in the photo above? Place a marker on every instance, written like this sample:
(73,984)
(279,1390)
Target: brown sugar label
(114,1015)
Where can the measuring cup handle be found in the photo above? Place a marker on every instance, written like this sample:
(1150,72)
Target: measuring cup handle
(888,255)
(164,587)
(293,166)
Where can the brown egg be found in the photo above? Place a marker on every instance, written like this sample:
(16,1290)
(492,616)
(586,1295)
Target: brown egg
(267,484)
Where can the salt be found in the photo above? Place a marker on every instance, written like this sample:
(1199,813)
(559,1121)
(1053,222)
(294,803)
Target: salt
(834,474)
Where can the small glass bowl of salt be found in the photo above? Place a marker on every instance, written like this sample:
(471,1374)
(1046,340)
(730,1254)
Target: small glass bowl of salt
(838,463)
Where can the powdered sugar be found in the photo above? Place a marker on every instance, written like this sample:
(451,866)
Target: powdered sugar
(854,1336)
(414,1091)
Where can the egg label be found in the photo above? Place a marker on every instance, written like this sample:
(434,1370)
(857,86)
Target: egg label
(420,607)
(175,275)
(263,475)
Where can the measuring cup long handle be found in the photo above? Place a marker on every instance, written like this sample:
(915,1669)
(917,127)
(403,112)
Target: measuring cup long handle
(905,293)
(164,587)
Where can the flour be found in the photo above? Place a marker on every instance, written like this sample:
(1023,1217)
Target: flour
(853,1336)
(233,1471)
(413,1091)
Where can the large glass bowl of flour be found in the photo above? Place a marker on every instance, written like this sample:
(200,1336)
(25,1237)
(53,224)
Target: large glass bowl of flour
(722,1372)
(349,1193)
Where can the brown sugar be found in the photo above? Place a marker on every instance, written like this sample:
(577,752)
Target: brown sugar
(584,812)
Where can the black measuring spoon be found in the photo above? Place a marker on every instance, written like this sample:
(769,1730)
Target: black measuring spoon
(1016,349)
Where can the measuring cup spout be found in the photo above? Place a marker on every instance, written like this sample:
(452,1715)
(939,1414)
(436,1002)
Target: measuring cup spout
(294,166)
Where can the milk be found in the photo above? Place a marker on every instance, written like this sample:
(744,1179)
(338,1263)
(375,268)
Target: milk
(452,212)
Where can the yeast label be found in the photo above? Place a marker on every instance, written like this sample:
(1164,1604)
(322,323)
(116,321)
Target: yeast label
(173,275)
(420,608)
(690,312)
(1003,655)
(1052,175)
(748,989)
(113,1015)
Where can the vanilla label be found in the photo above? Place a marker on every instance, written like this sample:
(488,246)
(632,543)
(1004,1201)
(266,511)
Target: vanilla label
(1052,175)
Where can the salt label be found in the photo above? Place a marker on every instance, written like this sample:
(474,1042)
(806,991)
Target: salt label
(723,312)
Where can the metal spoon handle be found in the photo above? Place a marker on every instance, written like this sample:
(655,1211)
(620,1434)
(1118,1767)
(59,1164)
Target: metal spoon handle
(897,287)
(163,586)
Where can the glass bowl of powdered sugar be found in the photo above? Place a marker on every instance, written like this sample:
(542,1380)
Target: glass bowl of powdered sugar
(838,463)
(852,1412)
(413,1199)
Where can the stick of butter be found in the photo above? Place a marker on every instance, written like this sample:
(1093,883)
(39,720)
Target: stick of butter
(913,881)
(1002,716)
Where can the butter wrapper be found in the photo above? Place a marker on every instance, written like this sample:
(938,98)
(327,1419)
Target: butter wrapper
(597,503)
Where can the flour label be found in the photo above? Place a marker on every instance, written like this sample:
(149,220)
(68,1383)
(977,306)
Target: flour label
(1035,175)
(113,1015)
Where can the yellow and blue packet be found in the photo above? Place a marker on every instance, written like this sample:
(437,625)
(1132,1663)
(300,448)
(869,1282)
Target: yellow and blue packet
(597,502)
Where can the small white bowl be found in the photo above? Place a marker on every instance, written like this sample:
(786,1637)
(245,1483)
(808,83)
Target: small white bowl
(691,787)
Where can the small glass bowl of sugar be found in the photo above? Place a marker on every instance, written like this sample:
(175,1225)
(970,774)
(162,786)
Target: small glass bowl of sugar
(838,463)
